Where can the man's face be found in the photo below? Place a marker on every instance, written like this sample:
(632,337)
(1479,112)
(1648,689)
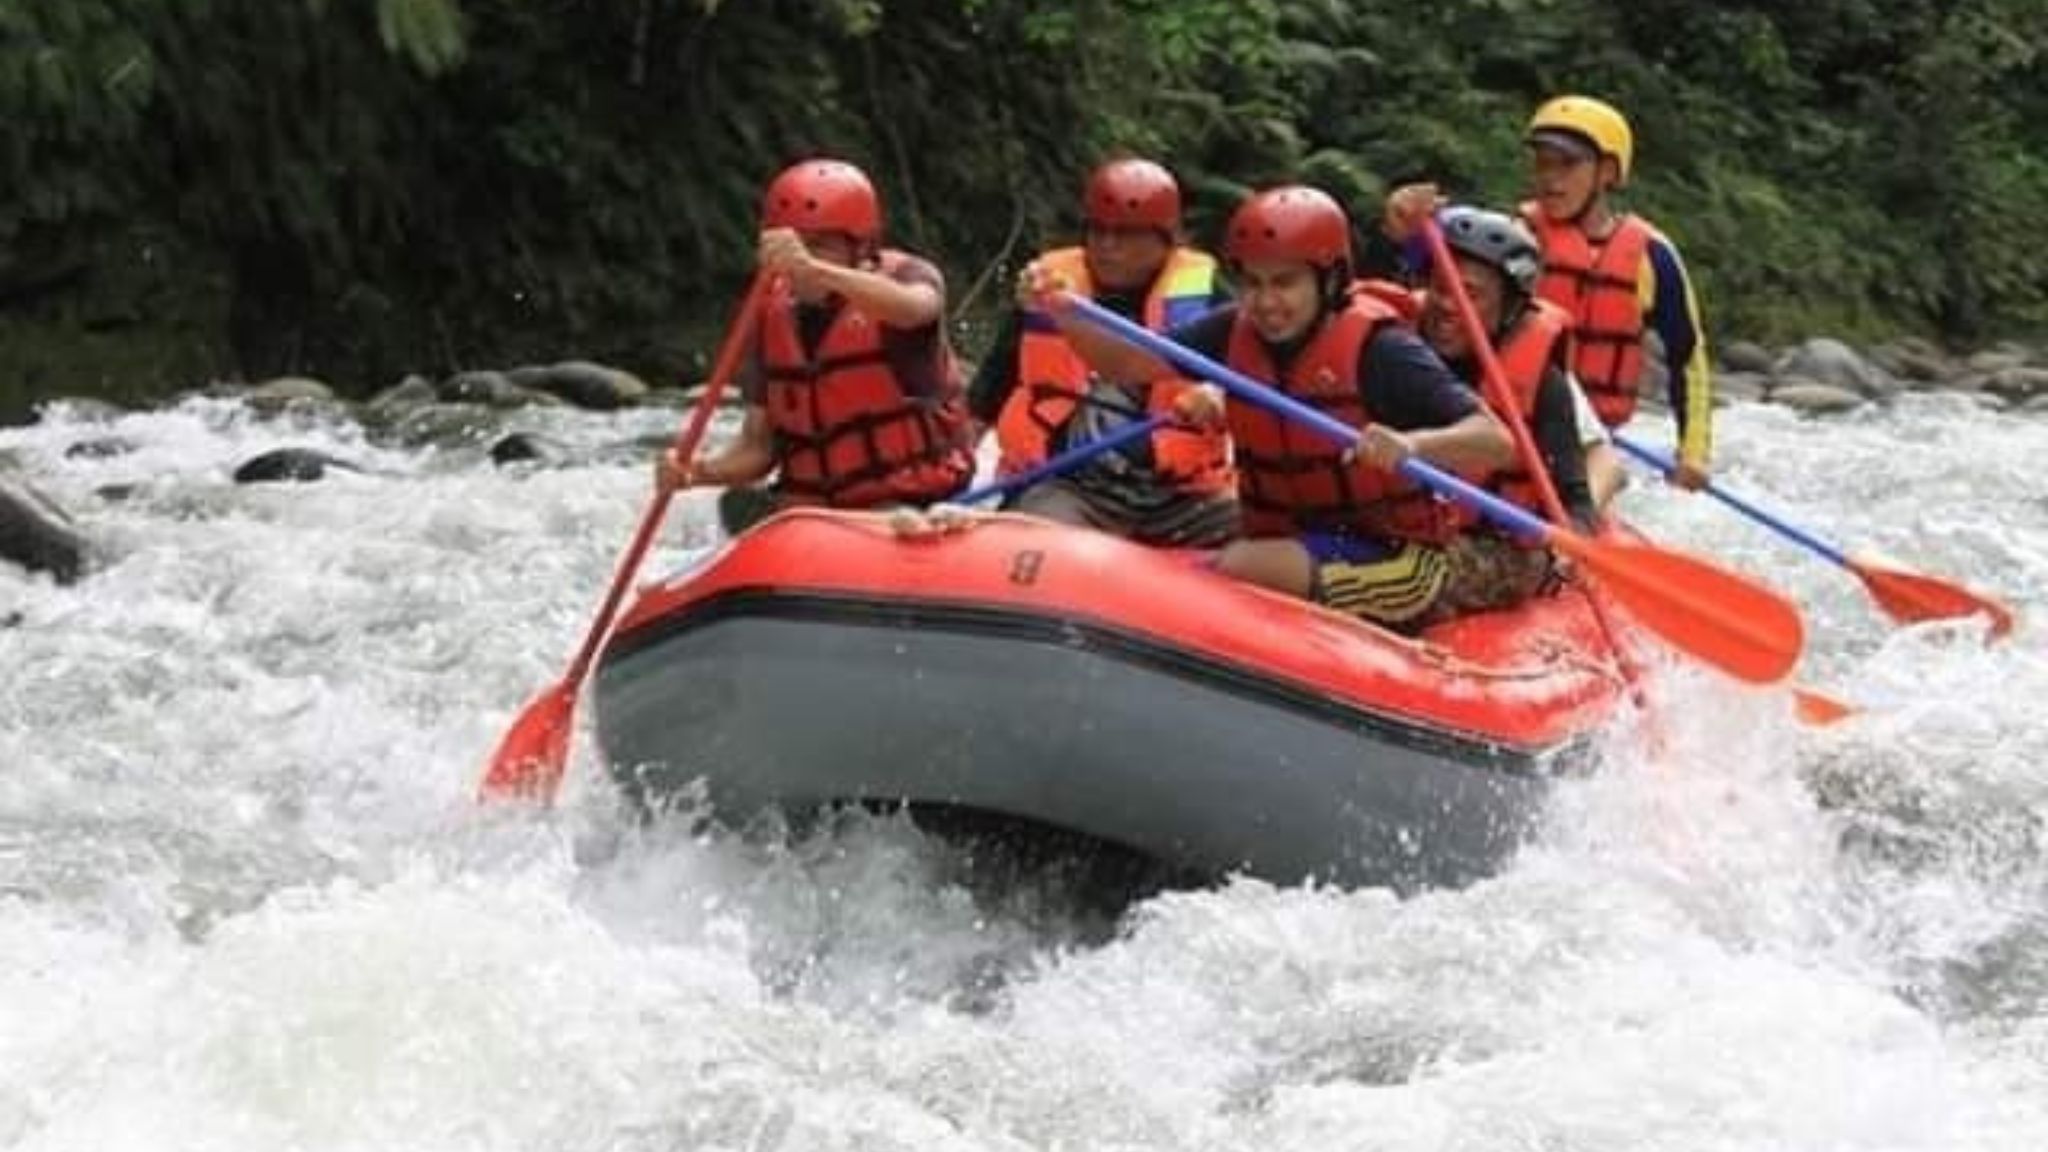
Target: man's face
(1283,298)
(1565,180)
(1123,258)
(1440,324)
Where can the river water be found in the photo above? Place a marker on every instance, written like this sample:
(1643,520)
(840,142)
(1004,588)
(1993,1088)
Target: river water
(246,901)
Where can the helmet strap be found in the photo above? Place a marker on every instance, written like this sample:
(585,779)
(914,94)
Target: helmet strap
(1336,285)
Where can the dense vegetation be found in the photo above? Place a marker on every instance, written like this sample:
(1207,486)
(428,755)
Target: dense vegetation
(355,188)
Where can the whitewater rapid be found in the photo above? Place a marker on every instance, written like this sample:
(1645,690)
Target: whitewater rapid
(246,901)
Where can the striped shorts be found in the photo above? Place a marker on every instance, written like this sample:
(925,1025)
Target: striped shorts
(1405,585)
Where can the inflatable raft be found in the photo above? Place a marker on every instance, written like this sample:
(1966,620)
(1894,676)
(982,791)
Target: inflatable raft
(1065,678)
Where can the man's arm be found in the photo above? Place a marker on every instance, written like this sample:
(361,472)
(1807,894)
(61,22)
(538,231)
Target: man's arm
(1671,310)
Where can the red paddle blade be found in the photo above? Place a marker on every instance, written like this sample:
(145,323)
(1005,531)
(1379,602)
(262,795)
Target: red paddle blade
(529,761)
(1818,708)
(1728,620)
(1909,597)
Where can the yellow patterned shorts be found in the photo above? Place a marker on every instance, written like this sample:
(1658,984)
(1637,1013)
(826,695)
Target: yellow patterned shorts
(1405,585)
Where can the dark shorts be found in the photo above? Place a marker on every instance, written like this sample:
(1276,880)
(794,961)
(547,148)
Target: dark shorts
(741,508)
(1403,584)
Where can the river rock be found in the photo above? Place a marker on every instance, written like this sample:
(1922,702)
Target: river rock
(528,447)
(99,448)
(1814,398)
(1746,356)
(36,534)
(292,465)
(1992,361)
(584,384)
(402,397)
(492,388)
(273,395)
(1916,361)
(1823,360)
(1735,387)
(2018,383)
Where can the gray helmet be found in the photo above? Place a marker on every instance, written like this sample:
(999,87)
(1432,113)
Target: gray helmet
(1496,240)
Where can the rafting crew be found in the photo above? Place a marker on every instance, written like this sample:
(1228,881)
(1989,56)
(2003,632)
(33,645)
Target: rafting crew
(853,396)
(1497,262)
(1324,522)
(855,401)
(1173,487)
(1634,312)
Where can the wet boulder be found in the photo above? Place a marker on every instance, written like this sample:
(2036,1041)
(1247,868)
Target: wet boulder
(1745,356)
(289,465)
(1816,399)
(36,535)
(286,391)
(584,384)
(1822,360)
(528,448)
(412,392)
(493,389)
(99,448)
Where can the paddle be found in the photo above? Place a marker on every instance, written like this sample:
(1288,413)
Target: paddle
(531,757)
(1072,457)
(1812,707)
(1907,597)
(1725,619)
(1494,379)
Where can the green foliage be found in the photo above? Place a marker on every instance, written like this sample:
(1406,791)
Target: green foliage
(362,187)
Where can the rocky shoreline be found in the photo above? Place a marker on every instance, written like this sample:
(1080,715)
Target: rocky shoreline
(1822,376)
(469,411)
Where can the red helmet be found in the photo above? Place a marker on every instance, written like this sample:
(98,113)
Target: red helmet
(823,196)
(1293,222)
(1132,194)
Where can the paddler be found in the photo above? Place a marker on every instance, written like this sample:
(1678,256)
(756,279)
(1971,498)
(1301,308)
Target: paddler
(853,393)
(1335,525)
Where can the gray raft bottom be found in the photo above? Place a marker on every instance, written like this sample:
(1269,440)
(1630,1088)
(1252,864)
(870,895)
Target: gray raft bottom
(767,701)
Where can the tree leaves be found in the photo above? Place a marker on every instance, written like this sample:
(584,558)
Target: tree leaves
(430,33)
(438,180)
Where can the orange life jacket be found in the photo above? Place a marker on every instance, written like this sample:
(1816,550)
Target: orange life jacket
(1052,377)
(1598,287)
(847,434)
(1405,301)
(1525,356)
(1292,478)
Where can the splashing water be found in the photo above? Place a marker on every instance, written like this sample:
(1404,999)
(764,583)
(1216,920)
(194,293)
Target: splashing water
(246,902)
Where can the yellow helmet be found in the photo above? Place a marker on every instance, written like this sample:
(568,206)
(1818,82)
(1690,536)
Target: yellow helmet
(1588,119)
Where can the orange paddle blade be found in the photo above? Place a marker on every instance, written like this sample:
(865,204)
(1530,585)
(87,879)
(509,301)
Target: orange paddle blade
(1909,597)
(1728,620)
(1818,708)
(530,760)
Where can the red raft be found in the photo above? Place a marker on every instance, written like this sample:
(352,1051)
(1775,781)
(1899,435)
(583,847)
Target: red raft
(1062,677)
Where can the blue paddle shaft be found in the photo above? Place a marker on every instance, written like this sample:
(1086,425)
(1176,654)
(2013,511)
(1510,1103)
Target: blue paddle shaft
(1663,463)
(1195,364)
(1078,454)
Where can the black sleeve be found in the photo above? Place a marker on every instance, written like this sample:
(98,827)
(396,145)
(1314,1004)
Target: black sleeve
(1208,333)
(1381,259)
(996,375)
(752,377)
(1556,432)
(1405,385)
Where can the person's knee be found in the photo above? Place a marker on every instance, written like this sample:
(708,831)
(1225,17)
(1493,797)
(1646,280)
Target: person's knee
(1282,565)
(1056,502)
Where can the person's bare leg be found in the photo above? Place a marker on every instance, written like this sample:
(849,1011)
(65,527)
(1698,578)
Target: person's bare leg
(1282,565)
